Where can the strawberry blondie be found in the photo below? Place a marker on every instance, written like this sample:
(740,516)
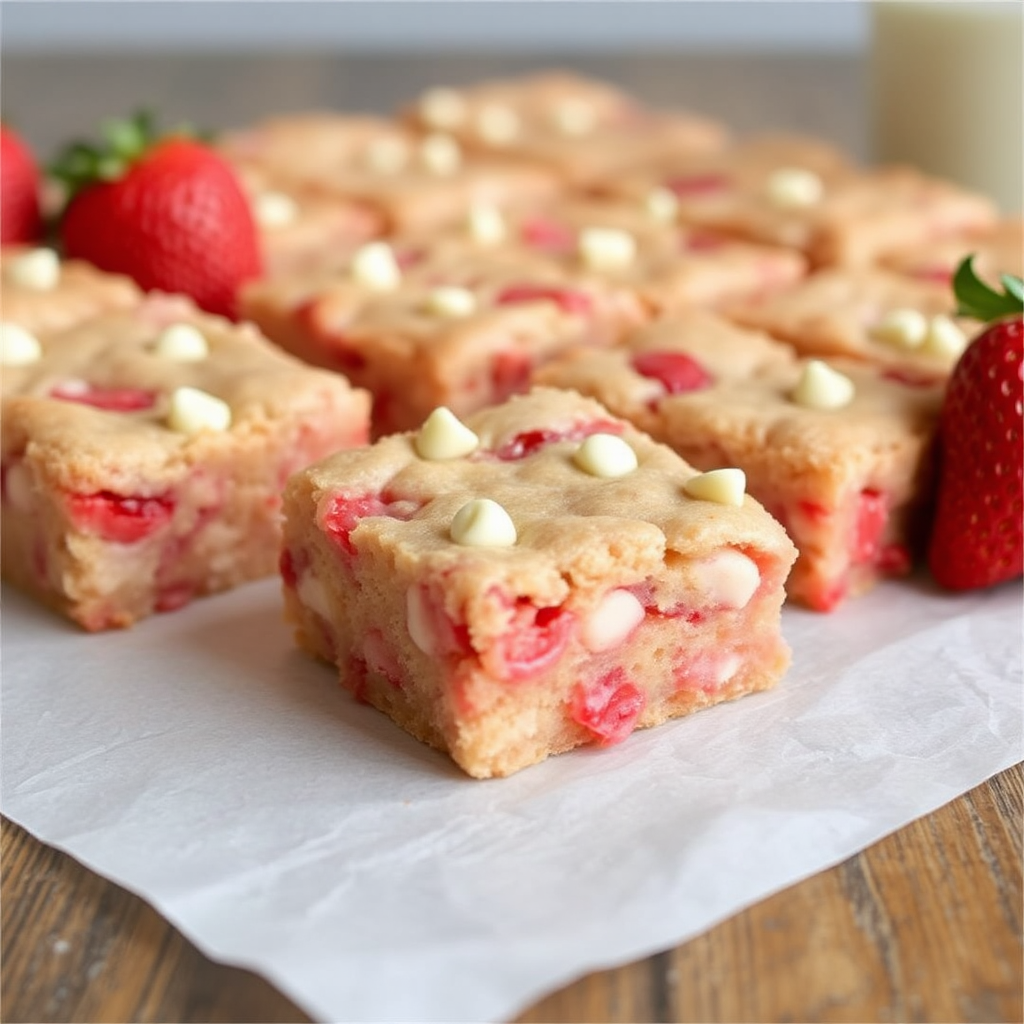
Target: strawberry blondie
(584,129)
(666,264)
(457,327)
(804,194)
(838,452)
(410,180)
(997,250)
(903,324)
(42,293)
(144,453)
(536,578)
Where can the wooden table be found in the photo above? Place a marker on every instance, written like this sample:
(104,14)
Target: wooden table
(925,926)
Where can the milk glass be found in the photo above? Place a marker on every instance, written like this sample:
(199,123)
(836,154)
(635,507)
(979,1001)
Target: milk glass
(947,91)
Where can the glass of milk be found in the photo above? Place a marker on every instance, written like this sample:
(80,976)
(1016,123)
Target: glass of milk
(947,91)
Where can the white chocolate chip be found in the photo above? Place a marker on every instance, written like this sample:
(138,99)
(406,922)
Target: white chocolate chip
(793,188)
(487,225)
(443,108)
(18,347)
(182,343)
(607,248)
(943,338)
(417,619)
(275,210)
(904,328)
(444,436)
(483,523)
(662,205)
(441,154)
(821,387)
(313,595)
(497,124)
(728,579)
(727,667)
(193,411)
(18,488)
(449,300)
(724,486)
(388,155)
(616,616)
(574,116)
(605,455)
(375,266)
(37,269)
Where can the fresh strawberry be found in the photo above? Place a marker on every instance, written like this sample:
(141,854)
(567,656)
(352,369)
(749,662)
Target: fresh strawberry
(977,536)
(20,221)
(168,212)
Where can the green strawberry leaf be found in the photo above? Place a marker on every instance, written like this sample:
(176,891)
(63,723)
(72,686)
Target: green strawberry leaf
(977,299)
(124,141)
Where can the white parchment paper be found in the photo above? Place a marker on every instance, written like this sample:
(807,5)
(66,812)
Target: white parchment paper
(203,763)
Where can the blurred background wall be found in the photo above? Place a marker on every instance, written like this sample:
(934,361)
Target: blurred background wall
(423,26)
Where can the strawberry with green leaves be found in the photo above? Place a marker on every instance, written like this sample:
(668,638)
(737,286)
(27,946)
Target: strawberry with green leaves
(20,221)
(978,535)
(168,212)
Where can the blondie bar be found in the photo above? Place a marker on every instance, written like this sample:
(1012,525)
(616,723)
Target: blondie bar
(838,452)
(144,453)
(539,577)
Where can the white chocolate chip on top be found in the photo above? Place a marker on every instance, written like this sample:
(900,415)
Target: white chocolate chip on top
(441,154)
(451,301)
(662,205)
(904,328)
(193,411)
(607,248)
(724,486)
(943,338)
(487,225)
(498,125)
(617,614)
(275,210)
(375,266)
(443,108)
(18,347)
(794,188)
(605,455)
(37,269)
(444,436)
(182,343)
(483,523)
(575,116)
(821,387)
(388,155)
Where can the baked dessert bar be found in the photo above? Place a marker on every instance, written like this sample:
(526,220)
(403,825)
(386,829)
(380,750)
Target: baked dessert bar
(804,194)
(41,293)
(299,228)
(460,328)
(875,315)
(144,453)
(584,129)
(839,452)
(539,577)
(997,250)
(668,265)
(410,180)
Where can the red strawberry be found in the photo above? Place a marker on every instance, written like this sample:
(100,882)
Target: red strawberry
(20,222)
(978,536)
(168,212)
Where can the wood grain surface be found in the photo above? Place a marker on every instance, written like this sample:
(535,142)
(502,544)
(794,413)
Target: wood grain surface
(926,925)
